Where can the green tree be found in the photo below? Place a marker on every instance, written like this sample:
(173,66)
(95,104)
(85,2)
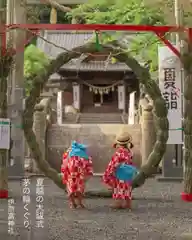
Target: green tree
(132,12)
(35,62)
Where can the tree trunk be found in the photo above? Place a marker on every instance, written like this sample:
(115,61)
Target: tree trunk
(160,110)
(187,124)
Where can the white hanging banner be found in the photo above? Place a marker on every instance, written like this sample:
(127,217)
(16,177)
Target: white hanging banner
(170,76)
(59,108)
(121,97)
(5,133)
(76,96)
(131,118)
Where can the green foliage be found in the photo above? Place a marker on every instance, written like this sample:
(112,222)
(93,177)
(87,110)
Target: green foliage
(146,46)
(126,12)
(35,62)
(119,12)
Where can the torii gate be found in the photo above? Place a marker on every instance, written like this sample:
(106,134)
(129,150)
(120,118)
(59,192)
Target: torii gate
(160,31)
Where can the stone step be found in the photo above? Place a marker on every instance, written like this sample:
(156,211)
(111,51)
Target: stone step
(100,115)
(100,118)
(94,118)
(96,122)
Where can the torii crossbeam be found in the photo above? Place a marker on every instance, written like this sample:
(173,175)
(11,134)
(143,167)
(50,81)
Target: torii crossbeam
(160,31)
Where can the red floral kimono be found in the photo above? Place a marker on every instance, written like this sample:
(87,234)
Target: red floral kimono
(75,172)
(121,189)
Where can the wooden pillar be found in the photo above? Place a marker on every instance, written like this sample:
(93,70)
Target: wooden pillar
(53,16)
(124,99)
(131,116)
(59,107)
(76,96)
(16,83)
(101,94)
(121,97)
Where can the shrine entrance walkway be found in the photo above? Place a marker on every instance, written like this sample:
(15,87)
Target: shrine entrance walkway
(158,213)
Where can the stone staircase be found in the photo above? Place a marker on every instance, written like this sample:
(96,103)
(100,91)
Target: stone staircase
(100,118)
(70,118)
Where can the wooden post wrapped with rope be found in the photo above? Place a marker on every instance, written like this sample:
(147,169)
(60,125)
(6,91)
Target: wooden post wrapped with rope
(148,132)
(53,16)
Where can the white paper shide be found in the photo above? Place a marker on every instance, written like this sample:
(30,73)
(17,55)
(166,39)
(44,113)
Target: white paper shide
(59,108)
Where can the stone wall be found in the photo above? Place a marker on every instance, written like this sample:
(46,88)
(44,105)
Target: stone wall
(98,137)
(55,139)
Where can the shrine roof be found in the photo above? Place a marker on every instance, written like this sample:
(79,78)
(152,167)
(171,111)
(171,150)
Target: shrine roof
(69,40)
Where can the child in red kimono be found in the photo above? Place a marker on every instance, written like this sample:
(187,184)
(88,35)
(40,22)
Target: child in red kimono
(76,169)
(121,189)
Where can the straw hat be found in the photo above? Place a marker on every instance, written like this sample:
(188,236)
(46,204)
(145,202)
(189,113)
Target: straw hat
(123,138)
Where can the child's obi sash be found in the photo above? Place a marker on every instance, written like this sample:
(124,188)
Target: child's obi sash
(126,172)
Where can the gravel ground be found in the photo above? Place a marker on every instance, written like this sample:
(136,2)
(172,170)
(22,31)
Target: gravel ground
(158,213)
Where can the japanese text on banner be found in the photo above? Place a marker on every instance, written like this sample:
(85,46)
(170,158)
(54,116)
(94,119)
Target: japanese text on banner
(170,93)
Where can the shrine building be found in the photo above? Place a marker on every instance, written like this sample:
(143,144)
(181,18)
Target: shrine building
(100,84)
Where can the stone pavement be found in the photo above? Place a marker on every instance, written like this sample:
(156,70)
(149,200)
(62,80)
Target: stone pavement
(158,213)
